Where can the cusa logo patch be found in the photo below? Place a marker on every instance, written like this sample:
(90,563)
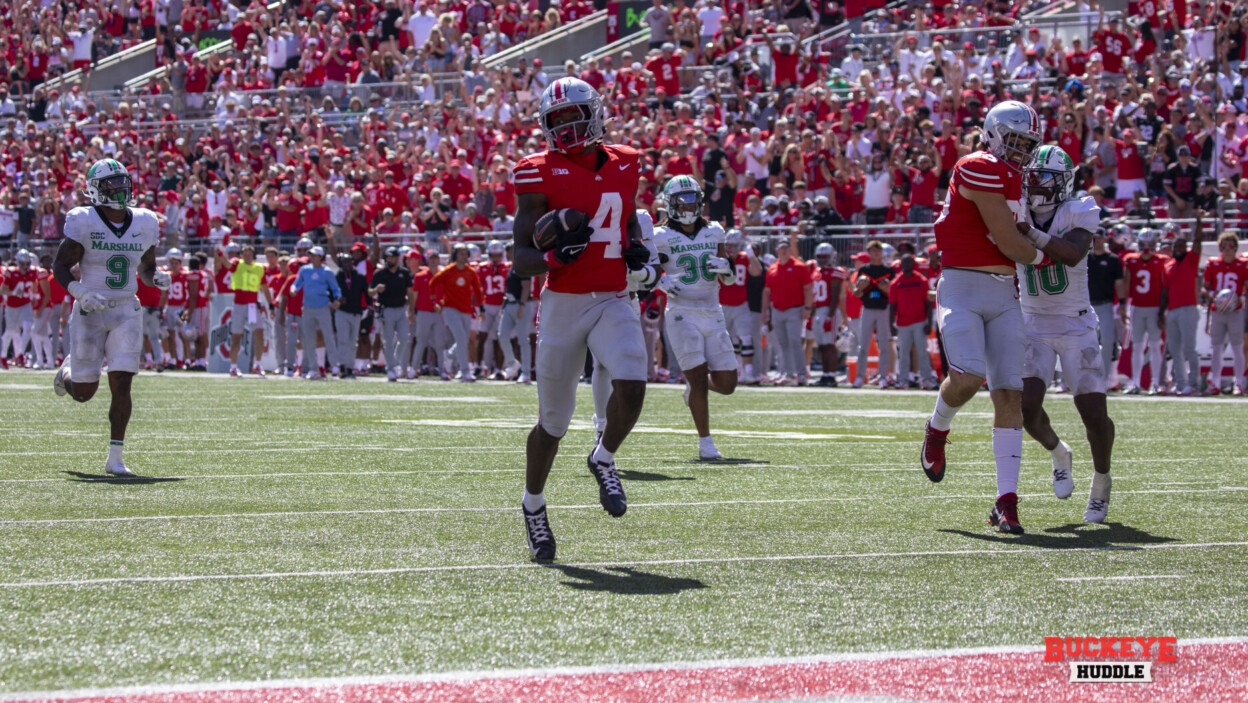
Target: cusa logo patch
(1104,649)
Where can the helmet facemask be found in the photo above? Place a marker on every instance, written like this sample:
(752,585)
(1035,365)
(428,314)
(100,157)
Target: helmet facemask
(572,134)
(114,192)
(1046,189)
(684,207)
(1016,148)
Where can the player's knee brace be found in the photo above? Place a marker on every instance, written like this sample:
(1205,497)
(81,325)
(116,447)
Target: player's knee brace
(747,346)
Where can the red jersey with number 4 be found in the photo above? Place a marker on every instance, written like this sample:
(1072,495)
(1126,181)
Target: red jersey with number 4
(606,195)
(1220,274)
(961,233)
(493,280)
(179,294)
(735,293)
(21,286)
(823,285)
(1144,279)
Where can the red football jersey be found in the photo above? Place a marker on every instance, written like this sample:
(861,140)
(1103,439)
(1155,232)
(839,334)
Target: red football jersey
(1220,274)
(494,281)
(204,282)
(961,233)
(823,285)
(735,293)
(41,275)
(59,294)
(179,293)
(1144,279)
(605,195)
(424,294)
(224,275)
(21,286)
(149,296)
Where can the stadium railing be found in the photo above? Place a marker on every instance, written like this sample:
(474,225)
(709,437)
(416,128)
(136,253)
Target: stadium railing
(531,48)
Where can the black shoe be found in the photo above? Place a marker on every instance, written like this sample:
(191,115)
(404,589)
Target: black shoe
(348,374)
(610,490)
(827,381)
(538,536)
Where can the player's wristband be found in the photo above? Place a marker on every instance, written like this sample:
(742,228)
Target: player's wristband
(1039,257)
(1039,237)
(552,261)
(77,289)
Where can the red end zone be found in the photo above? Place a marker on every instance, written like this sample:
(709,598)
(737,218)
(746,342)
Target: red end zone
(1204,672)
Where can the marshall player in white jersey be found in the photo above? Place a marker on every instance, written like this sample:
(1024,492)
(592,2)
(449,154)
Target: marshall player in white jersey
(111,243)
(691,251)
(1060,322)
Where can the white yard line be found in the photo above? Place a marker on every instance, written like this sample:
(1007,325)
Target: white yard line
(1122,578)
(606,564)
(405,511)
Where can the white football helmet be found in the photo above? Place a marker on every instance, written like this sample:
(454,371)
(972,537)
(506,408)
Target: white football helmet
(495,249)
(23,258)
(684,199)
(1049,178)
(474,253)
(734,242)
(303,246)
(173,254)
(109,185)
(825,254)
(1012,131)
(568,94)
(188,332)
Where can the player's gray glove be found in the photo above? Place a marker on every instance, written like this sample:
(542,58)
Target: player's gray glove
(88,302)
(719,265)
(162,279)
(668,285)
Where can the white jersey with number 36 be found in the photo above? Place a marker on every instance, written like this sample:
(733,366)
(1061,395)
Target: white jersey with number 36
(111,253)
(1057,289)
(688,264)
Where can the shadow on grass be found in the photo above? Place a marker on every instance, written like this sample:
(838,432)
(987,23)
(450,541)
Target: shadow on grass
(1076,535)
(625,581)
(652,476)
(727,461)
(80,477)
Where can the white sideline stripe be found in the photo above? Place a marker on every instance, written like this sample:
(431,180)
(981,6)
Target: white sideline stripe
(406,511)
(492,674)
(602,564)
(1121,578)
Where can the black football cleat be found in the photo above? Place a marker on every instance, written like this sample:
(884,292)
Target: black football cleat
(538,536)
(610,490)
(1004,515)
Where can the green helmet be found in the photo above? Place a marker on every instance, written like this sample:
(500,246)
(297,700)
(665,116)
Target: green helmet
(1049,178)
(684,199)
(109,185)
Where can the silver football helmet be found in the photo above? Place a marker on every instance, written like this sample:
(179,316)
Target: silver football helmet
(578,98)
(825,254)
(495,250)
(734,242)
(1012,130)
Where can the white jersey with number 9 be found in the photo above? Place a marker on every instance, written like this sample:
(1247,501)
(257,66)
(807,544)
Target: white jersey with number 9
(111,253)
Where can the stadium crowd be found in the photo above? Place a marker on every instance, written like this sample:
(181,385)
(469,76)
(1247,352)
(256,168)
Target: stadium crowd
(339,127)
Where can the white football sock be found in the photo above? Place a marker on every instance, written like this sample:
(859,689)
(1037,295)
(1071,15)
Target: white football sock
(1100,485)
(706,442)
(602,456)
(1007,450)
(320,356)
(533,503)
(942,416)
(114,451)
(1137,363)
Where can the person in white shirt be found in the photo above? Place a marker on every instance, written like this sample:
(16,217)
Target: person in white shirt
(711,17)
(852,65)
(421,24)
(82,40)
(877,190)
(215,200)
(757,156)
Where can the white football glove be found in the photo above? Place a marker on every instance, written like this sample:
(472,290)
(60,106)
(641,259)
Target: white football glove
(91,302)
(719,265)
(668,285)
(162,279)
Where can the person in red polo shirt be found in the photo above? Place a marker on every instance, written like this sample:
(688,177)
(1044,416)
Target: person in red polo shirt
(788,301)
(911,315)
(1179,298)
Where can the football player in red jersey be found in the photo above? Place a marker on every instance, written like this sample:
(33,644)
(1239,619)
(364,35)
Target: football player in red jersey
(980,320)
(175,304)
(18,289)
(585,304)
(830,294)
(493,275)
(733,298)
(41,333)
(1226,272)
(1146,273)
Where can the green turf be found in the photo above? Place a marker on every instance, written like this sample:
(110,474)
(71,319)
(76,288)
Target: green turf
(352,471)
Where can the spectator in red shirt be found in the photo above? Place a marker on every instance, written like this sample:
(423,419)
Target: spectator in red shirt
(664,68)
(1113,44)
(783,62)
(788,301)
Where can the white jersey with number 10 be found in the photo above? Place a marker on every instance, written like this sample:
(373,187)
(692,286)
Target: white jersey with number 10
(1057,289)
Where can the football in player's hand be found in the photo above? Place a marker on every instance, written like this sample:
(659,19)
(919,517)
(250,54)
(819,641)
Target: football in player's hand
(554,223)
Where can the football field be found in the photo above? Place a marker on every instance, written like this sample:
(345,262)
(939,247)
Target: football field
(363,541)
